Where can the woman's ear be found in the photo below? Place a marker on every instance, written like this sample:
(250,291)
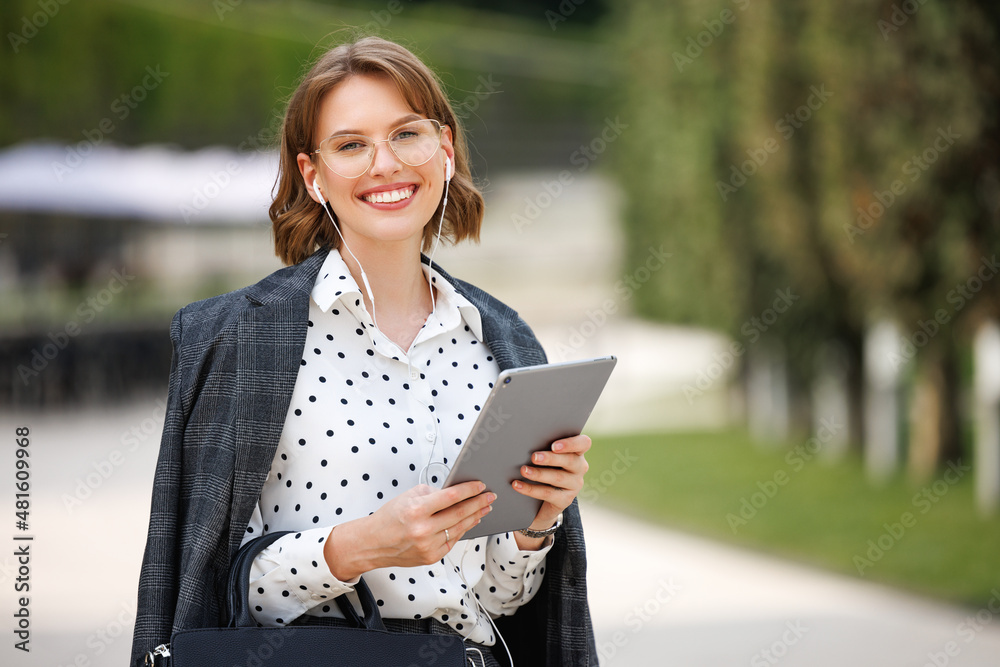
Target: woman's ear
(309,176)
(448,147)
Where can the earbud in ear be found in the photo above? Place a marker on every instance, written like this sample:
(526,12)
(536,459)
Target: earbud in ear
(448,171)
(319,194)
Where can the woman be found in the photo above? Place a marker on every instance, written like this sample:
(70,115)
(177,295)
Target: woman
(329,398)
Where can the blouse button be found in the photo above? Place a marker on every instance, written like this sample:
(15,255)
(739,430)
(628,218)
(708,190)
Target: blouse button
(430,437)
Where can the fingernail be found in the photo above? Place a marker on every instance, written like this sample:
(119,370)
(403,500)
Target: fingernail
(539,457)
(482,487)
(527,472)
(486,510)
(518,485)
(490,498)
(558,446)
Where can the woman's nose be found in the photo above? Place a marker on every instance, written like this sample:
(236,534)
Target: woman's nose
(384,161)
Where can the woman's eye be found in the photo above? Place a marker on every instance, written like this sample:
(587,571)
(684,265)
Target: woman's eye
(350,146)
(406,134)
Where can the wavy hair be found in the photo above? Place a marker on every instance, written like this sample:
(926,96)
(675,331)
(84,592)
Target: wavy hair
(299,224)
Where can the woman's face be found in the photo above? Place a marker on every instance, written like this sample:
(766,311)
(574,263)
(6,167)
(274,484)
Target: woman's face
(372,106)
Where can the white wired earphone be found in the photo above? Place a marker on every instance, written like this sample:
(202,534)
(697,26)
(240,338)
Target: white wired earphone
(449,171)
(426,477)
(475,598)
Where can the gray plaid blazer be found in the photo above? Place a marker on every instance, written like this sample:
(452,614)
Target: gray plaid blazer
(235,361)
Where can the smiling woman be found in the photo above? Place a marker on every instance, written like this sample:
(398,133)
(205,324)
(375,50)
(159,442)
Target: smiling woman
(327,103)
(293,407)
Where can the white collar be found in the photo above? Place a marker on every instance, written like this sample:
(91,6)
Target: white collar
(334,283)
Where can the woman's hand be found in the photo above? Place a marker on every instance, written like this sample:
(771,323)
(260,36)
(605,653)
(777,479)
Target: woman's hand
(407,531)
(555,478)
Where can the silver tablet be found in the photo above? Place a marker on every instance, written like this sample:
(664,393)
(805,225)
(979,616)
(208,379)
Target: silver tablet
(528,409)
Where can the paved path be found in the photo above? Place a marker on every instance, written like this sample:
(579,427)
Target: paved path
(658,597)
(682,600)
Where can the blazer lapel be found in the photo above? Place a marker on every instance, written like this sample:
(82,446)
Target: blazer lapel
(271,335)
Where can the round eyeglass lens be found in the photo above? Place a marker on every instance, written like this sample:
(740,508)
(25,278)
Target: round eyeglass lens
(350,155)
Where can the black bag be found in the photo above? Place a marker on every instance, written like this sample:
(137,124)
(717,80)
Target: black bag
(246,644)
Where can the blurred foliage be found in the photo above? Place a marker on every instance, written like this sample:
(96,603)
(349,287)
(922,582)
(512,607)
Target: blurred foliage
(579,11)
(227,66)
(85,63)
(766,143)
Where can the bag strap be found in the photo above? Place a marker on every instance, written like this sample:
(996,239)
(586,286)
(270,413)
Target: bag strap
(239,590)
(372,619)
(239,580)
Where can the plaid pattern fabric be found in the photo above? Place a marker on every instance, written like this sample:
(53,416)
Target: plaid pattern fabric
(235,361)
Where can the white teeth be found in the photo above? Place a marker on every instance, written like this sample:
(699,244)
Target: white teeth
(390,197)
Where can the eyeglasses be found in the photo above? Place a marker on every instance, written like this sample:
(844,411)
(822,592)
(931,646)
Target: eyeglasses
(351,155)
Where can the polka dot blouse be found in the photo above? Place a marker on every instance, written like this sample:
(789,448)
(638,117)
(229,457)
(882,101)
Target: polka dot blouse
(366,422)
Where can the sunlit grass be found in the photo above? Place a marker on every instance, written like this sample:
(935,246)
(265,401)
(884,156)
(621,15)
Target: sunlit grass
(817,511)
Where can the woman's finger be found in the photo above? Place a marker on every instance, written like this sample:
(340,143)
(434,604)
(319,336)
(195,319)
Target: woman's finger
(465,525)
(554,477)
(468,508)
(574,463)
(577,444)
(442,499)
(557,497)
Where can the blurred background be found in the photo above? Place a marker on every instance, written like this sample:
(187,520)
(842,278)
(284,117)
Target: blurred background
(783,217)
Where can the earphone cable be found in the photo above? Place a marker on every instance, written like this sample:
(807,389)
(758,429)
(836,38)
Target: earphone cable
(489,617)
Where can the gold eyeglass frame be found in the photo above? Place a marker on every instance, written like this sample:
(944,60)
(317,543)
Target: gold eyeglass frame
(372,143)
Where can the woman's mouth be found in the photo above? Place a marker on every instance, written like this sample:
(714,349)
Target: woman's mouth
(389,196)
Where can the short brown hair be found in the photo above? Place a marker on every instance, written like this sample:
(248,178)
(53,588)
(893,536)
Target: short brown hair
(299,223)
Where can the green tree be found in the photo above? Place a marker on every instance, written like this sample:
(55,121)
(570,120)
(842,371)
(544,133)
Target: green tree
(792,145)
